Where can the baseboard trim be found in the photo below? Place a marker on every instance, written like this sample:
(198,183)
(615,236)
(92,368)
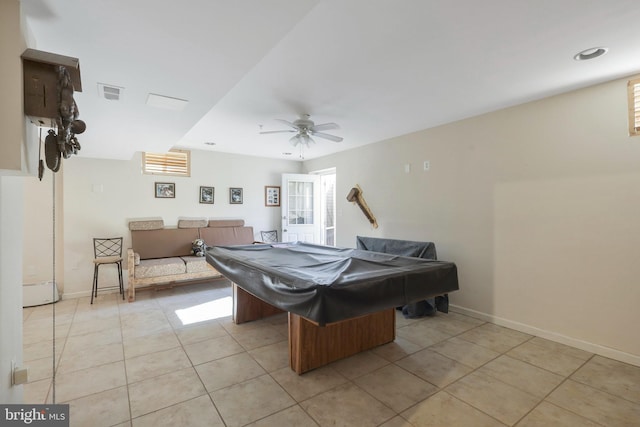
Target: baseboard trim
(551,336)
(83,294)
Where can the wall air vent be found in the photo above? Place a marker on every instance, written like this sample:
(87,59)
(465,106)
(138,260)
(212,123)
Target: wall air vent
(110,92)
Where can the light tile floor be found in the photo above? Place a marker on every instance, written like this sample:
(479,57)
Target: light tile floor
(159,362)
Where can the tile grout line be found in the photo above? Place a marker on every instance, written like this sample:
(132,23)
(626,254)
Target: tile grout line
(56,366)
(124,362)
(207,393)
(162,310)
(544,399)
(438,388)
(443,389)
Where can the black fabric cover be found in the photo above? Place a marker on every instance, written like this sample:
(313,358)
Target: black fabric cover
(327,284)
(416,309)
(410,248)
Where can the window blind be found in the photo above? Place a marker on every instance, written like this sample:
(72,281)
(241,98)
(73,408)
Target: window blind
(633,88)
(173,163)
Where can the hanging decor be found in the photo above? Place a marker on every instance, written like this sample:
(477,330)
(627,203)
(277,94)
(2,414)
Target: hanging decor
(50,81)
(40,161)
(355,196)
(67,121)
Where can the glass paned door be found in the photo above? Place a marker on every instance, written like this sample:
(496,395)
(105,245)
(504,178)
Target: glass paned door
(300,203)
(328,203)
(301,213)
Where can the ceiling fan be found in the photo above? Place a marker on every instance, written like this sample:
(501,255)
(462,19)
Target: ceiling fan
(304,129)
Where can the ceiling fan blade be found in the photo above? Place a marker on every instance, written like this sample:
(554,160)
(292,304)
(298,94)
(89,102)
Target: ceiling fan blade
(325,126)
(327,136)
(277,131)
(291,125)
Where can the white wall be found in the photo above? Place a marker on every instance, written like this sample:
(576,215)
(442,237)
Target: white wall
(11,163)
(10,285)
(38,230)
(538,205)
(100,196)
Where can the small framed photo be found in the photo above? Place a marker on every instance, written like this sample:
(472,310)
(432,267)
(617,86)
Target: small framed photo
(235,196)
(271,195)
(207,194)
(165,190)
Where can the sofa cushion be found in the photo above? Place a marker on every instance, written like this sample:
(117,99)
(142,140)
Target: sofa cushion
(227,236)
(169,242)
(160,267)
(146,224)
(196,264)
(226,223)
(192,222)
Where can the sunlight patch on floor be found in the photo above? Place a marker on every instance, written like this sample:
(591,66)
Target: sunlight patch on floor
(208,311)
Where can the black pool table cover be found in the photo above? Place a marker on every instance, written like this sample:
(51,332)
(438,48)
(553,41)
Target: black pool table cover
(327,284)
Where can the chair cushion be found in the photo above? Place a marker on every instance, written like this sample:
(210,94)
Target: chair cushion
(107,260)
(160,267)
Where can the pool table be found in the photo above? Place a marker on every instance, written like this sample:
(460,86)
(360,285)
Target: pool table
(340,300)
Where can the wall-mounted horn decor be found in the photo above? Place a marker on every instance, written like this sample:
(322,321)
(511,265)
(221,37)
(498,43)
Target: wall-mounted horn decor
(355,196)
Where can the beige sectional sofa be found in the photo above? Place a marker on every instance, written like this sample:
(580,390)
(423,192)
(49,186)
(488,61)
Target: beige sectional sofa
(161,256)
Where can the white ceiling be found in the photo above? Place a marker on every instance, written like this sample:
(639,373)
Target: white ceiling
(378,68)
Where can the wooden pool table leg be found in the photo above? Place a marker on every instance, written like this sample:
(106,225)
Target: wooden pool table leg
(312,346)
(247,307)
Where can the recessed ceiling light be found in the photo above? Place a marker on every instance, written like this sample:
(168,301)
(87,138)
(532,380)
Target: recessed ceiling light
(209,143)
(590,53)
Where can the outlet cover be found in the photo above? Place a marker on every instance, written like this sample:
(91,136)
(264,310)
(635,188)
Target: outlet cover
(20,376)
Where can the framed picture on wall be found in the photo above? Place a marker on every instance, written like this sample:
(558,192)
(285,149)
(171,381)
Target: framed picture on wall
(207,195)
(235,196)
(165,190)
(271,195)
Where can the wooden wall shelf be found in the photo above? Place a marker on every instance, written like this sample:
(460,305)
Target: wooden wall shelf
(40,83)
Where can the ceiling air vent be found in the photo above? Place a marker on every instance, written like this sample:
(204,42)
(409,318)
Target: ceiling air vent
(110,92)
(166,102)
